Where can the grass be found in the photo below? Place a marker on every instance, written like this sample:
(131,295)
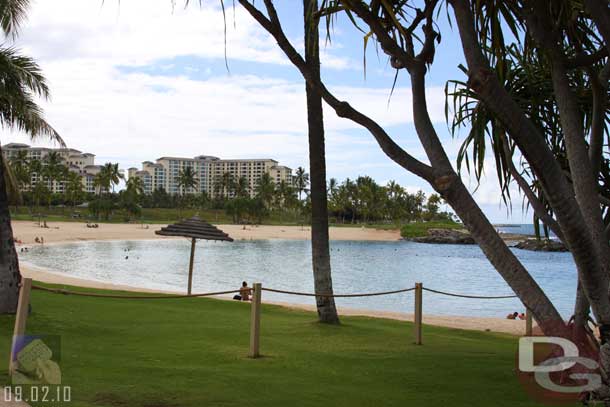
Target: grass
(180,353)
(169,215)
(418,229)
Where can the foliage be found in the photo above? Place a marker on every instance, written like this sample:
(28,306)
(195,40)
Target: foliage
(419,229)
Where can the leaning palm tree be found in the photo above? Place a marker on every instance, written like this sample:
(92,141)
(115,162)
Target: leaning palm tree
(21,82)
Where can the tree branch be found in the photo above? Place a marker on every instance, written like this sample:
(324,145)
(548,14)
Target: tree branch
(342,109)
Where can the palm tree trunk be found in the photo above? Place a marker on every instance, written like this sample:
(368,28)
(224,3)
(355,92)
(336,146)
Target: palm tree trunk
(9,263)
(320,250)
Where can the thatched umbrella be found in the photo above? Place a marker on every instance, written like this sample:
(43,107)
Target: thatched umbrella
(194,228)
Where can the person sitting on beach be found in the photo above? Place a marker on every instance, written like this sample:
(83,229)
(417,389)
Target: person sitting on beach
(244,293)
(36,239)
(514,315)
(522,316)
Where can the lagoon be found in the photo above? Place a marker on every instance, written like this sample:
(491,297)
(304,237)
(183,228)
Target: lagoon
(357,266)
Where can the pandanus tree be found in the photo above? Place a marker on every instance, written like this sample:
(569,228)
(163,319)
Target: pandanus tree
(573,37)
(21,82)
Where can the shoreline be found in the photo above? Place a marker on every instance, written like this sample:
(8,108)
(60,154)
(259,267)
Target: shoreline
(70,232)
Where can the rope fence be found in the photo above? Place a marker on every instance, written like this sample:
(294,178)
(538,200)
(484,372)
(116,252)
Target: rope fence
(256,291)
(476,297)
(131,297)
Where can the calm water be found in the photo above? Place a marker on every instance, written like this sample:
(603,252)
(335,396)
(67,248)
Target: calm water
(522,229)
(286,264)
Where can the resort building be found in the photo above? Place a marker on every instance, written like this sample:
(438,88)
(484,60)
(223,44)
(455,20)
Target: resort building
(81,163)
(210,173)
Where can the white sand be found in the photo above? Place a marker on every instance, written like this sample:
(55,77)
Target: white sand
(73,231)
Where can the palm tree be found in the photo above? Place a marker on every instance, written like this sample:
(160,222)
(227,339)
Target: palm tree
(320,246)
(265,189)
(17,176)
(108,177)
(21,83)
(228,182)
(114,174)
(301,181)
(74,190)
(187,179)
(242,187)
(135,185)
(53,170)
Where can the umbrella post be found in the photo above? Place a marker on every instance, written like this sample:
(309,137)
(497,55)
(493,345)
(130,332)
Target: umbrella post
(191,265)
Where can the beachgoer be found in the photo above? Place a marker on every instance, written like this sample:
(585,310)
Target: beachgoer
(41,240)
(36,239)
(514,315)
(244,293)
(522,316)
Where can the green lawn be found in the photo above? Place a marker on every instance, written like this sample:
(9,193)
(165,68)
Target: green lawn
(192,352)
(418,229)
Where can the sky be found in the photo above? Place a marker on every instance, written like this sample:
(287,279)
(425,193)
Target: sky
(134,80)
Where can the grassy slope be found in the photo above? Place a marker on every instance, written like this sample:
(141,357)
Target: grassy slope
(418,229)
(193,353)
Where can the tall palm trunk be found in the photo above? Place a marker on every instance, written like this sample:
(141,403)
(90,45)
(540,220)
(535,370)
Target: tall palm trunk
(9,264)
(320,251)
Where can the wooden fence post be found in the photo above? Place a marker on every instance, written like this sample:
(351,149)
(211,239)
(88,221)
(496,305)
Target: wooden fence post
(255,321)
(528,322)
(21,317)
(418,312)
(191,261)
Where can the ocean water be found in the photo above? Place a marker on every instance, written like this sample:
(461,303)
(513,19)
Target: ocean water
(286,264)
(521,229)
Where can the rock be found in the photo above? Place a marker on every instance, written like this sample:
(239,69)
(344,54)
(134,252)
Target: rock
(543,245)
(445,236)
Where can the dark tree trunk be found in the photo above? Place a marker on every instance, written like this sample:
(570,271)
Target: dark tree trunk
(320,251)
(9,264)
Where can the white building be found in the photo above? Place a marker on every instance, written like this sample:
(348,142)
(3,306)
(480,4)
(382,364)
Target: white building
(209,170)
(81,163)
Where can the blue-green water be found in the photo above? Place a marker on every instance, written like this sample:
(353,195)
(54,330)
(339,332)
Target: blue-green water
(286,264)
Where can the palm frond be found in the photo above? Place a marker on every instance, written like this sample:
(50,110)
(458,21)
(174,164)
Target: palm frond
(12,15)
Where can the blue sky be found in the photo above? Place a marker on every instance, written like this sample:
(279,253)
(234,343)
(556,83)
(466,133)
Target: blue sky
(140,80)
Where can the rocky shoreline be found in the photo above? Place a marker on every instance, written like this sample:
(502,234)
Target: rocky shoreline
(455,236)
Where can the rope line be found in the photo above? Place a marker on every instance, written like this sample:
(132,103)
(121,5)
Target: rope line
(130,297)
(178,296)
(476,297)
(404,290)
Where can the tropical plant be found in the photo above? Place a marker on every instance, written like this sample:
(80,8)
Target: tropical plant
(242,187)
(74,190)
(187,180)
(21,83)
(574,37)
(320,245)
(301,181)
(265,189)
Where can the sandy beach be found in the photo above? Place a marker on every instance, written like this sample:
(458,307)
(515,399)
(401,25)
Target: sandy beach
(77,231)
(58,232)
